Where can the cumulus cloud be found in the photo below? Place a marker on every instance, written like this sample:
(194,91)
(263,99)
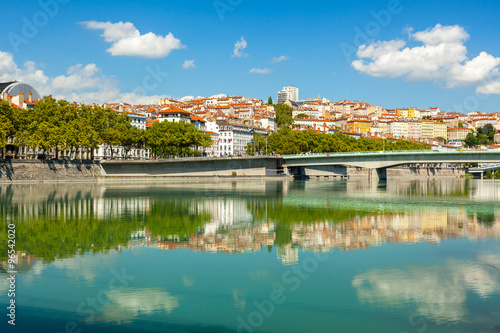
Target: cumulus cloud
(441,58)
(239,47)
(439,292)
(81,83)
(261,70)
(188,64)
(218,96)
(127,40)
(125,305)
(280,59)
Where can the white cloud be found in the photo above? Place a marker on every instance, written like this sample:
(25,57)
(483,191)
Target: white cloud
(261,70)
(81,83)
(128,41)
(126,304)
(186,98)
(189,64)
(442,34)
(438,292)
(489,88)
(441,58)
(239,47)
(280,59)
(218,96)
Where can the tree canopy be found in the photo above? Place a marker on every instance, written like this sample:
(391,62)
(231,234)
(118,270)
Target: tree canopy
(484,136)
(7,127)
(175,139)
(287,141)
(283,115)
(64,126)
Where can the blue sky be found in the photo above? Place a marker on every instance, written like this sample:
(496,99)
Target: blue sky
(420,54)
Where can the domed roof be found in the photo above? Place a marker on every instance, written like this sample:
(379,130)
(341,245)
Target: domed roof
(16,88)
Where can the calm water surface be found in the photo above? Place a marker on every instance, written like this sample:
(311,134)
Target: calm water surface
(254,256)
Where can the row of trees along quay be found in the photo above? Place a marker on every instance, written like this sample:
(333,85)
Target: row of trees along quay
(70,131)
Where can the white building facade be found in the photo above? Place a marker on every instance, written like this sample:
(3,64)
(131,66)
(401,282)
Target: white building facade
(233,139)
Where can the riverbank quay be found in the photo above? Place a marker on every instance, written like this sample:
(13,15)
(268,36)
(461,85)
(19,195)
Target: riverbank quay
(12,170)
(231,167)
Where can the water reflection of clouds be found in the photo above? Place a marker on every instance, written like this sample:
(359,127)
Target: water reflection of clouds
(87,266)
(239,299)
(187,281)
(126,304)
(439,293)
(4,284)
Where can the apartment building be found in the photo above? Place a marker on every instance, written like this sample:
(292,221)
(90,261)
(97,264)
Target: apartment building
(398,129)
(458,133)
(233,138)
(427,129)
(415,130)
(440,130)
(359,126)
(289,93)
(174,114)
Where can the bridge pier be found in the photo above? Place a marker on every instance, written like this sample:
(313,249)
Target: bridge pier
(377,174)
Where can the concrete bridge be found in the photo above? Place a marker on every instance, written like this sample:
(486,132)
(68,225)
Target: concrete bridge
(482,169)
(378,162)
(258,166)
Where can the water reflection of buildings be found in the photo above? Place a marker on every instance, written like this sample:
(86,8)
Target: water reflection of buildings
(23,202)
(226,213)
(117,207)
(426,226)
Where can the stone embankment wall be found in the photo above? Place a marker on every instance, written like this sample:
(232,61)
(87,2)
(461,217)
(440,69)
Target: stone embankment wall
(426,172)
(36,170)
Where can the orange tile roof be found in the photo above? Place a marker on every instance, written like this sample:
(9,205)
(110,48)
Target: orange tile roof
(174,109)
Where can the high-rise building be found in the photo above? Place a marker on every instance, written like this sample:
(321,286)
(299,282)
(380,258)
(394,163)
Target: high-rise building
(289,93)
(283,96)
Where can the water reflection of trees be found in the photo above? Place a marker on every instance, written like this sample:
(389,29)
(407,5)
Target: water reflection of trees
(176,219)
(54,223)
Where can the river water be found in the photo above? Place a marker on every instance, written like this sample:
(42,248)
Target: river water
(253,256)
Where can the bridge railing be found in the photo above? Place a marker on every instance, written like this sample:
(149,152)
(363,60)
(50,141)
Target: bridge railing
(181,159)
(388,152)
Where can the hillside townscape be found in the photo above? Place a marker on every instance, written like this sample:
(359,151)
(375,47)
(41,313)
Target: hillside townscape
(222,126)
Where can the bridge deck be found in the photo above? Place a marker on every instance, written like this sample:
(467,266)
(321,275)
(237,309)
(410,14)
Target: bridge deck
(384,159)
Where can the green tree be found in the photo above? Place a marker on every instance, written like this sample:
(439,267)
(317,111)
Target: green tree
(489,130)
(270,101)
(7,127)
(175,139)
(45,125)
(256,145)
(483,139)
(287,141)
(283,115)
(470,140)
(301,116)
(441,139)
